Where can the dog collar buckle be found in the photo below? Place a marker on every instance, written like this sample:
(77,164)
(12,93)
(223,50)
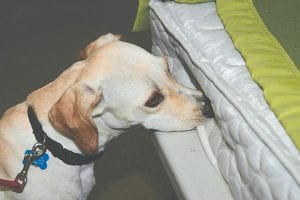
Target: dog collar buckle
(36,152)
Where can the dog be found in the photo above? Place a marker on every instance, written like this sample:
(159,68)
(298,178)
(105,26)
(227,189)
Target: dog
(116,85)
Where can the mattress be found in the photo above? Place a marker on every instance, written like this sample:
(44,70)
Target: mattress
(270,48)
(250,150)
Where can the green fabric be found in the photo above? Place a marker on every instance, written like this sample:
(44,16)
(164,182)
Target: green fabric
(268,63)
(283,20)
(142,17)
(142,20)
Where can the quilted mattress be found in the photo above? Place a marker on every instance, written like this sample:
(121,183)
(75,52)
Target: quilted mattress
(251,149)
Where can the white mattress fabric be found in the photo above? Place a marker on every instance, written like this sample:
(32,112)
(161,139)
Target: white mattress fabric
(252,151)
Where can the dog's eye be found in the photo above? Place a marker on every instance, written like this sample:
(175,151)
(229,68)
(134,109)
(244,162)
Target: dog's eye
(155,99)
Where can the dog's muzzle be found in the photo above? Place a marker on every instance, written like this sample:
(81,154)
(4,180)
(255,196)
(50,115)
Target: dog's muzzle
(182,77)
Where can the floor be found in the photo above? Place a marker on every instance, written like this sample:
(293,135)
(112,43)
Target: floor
(38,40)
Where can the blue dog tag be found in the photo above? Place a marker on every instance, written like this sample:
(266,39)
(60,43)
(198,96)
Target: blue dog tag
(40,162)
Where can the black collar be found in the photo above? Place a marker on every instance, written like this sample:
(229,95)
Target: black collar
(56,148)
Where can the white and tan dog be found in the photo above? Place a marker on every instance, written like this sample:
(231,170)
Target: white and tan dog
(116,86)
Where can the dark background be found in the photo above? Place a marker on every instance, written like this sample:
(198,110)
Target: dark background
(38,40)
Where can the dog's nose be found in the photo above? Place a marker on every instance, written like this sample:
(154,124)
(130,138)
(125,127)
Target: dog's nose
(207,109)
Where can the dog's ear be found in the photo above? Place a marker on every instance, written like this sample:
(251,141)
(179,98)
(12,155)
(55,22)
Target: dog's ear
(102,40)
(72,116)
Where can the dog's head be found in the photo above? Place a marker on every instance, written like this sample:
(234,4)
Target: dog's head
(123,85)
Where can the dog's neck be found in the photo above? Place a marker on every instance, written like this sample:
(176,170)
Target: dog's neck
(105,133)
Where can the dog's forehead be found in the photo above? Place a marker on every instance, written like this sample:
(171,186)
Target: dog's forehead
(121,51)
(124,61)
(120,48)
